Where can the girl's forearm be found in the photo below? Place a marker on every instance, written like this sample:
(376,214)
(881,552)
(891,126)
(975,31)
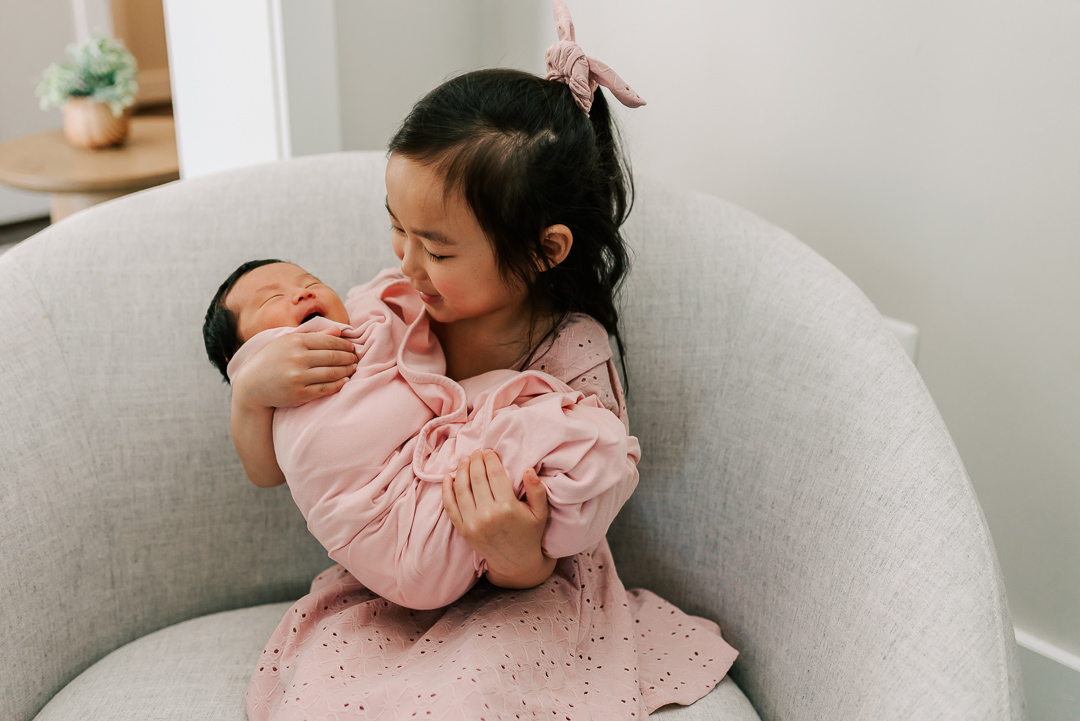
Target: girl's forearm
(253,435)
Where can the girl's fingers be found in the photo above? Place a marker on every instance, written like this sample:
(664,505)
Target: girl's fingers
(478,477)
(450,502)
(499,484)
(536,496)
(330,358)
(325,349)
(463,492)
(327,374)
(326,340)
(319,390)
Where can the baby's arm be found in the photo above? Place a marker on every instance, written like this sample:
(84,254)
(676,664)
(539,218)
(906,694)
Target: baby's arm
(289,371)
(253,435)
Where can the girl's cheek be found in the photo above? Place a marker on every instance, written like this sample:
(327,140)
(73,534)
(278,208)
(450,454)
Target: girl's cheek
(398,244)
(447,287)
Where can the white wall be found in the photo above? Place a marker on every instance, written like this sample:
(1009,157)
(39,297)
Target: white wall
(391,54)
(253,81)
(33,35)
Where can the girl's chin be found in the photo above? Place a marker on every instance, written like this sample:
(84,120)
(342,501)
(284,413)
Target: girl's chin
(434,310)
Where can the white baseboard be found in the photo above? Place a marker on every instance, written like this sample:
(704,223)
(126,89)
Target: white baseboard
(1051,679)
(1047,649)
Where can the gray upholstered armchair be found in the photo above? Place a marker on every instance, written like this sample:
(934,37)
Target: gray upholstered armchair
(798,485)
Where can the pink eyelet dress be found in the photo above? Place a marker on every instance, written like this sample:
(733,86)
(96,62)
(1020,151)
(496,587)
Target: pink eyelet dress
(578,646)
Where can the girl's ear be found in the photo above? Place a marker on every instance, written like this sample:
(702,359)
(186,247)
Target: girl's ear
(556,242)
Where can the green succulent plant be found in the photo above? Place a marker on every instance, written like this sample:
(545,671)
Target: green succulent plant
(104,70)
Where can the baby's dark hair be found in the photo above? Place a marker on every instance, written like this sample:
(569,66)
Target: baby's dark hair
(221,336)
(526,157)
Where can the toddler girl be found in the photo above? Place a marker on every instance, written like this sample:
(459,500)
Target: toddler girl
(506,193)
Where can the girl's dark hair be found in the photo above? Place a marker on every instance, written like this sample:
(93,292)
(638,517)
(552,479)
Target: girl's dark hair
(220,333)
(526,157)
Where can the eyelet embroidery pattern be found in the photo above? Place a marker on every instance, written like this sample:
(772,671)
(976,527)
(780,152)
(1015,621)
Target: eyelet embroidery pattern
(581,355)
(577,646)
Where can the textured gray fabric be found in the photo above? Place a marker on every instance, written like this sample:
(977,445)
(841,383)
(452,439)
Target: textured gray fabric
(798,485)
(726,702)
(125,507)
(199,669)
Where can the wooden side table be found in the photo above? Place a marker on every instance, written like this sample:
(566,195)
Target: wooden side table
(77,179)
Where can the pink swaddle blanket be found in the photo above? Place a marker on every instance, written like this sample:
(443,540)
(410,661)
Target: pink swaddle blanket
(365,465)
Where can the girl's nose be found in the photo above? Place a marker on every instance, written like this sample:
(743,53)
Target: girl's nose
(409,264)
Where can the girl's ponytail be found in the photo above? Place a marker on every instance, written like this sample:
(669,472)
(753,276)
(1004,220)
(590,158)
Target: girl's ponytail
(613,163)
(527,153)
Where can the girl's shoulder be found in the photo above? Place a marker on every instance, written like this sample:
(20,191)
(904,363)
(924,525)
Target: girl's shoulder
(578,345)
(579,354)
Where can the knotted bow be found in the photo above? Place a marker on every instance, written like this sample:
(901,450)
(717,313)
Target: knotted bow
(566,61)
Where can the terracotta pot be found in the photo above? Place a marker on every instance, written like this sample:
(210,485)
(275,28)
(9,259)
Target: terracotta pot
(89,124)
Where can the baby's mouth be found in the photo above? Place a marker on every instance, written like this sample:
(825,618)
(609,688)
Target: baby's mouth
(311,315)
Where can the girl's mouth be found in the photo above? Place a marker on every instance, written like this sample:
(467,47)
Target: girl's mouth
(429,299)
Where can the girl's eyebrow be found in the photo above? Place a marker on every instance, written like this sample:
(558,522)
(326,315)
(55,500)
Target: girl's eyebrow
(435,236)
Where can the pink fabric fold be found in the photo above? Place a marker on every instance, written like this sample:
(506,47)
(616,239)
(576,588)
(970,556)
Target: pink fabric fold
(566,61)
(365,465)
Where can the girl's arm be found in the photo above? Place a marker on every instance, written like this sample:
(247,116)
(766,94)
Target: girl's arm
(502,529)
(289,371)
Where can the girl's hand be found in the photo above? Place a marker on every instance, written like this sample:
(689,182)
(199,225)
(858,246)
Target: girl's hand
(502,529)
(294,369)
(289,371)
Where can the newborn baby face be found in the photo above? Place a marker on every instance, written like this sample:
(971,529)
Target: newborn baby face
(281,295)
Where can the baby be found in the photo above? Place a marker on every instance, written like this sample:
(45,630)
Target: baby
(365,465)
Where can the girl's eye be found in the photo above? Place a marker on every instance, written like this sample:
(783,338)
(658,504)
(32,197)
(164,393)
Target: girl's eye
(434,257)
(395,229)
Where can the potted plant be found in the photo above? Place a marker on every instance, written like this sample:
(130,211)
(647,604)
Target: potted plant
(95,91)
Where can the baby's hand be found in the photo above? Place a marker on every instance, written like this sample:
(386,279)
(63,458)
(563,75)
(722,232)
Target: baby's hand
(502,529)
(296,368)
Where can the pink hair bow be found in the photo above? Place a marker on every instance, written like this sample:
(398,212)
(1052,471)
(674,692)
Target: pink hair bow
(566,61)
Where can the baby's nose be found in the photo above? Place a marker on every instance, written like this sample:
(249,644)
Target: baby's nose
(303,294)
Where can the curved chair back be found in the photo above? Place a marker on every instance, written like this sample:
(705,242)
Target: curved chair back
(798,484)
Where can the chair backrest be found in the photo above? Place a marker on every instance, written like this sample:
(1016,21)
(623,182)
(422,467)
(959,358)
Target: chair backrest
(125,507)
(798,484)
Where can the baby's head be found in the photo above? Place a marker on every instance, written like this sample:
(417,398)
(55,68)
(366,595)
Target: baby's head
(264,294)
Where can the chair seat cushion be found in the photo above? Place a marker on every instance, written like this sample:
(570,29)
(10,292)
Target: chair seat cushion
(199,669)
